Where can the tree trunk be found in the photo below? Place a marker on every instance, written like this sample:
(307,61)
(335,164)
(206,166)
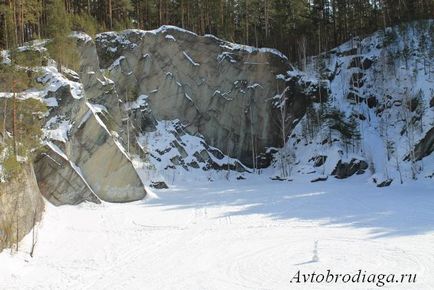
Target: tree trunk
(161,12)
(110,11)
(15,22)
(182,14)
(6,32)
(266,12)
(14,122)
(247,22)
(5,107)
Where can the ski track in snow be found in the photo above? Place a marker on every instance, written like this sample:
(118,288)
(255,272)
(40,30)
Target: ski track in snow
(250,234)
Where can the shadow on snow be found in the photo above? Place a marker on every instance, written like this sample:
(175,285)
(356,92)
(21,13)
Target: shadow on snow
(392,211)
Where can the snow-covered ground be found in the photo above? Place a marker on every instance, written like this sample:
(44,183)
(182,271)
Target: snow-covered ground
(246,234)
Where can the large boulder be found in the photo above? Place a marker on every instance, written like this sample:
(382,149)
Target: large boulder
(103,160)
(60,181)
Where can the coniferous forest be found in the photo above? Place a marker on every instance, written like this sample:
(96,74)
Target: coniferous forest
(296,27)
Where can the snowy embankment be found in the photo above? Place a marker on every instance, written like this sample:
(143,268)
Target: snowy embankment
(247,234)
(384,85)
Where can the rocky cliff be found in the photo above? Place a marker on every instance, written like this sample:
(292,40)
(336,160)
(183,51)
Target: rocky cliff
(364,107)
(150,105)
(151,101)
(218,90)
(155,101)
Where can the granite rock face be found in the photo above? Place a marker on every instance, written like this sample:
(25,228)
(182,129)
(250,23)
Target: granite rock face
(104,161)
(217,89)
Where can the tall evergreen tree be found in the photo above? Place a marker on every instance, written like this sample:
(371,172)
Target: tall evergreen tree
(62,46)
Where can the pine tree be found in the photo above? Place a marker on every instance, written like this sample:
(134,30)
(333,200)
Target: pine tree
(62,46)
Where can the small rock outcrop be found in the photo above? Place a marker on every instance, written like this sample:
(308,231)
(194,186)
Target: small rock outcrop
(159,185)
(347,169)
(383,183)
(426,146)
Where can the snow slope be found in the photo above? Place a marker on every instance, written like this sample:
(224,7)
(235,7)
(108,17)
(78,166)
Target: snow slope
(384,84)
(247,234)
